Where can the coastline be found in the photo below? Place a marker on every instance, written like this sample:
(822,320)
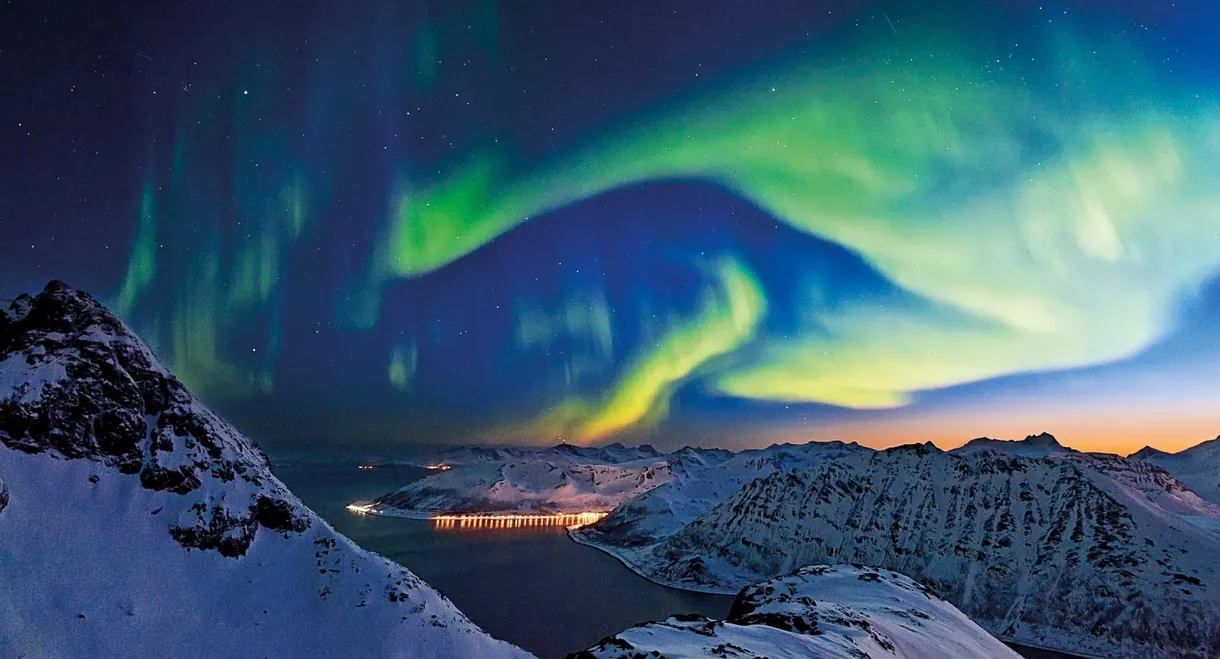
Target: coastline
(575,537)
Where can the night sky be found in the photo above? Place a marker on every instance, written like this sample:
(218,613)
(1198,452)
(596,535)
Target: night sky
(379,223)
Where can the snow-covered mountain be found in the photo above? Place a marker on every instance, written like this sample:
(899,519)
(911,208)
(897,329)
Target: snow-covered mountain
(559,479)
(702,479)
(134,522)
(1068,550)
(828,612)
(1145,476)
(1032,446)
(1198,466)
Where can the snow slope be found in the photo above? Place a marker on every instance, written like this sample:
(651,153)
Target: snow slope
(1064,551)
(1198,466)
(136,523)
(827,612)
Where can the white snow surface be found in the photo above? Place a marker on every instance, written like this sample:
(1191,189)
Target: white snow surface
(134,522)
(828,612)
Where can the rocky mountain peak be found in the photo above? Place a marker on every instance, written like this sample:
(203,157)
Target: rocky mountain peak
(1146,453)
(1042,439)
(77,383)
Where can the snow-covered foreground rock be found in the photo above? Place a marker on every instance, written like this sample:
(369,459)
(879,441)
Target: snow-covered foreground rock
(136,523)
(1198,466)
(819,611)
(559,479)
(1069,550)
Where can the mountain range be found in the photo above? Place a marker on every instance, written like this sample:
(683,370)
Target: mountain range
(1085,553)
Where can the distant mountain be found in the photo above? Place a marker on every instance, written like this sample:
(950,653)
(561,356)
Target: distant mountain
(829,612)
(610,454)
(652,494)
(134,522)
(1071,551)
(702,479)
(558,479)
(1198,466)
(1033,445)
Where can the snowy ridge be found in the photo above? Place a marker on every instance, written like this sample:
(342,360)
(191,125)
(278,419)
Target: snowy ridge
(1198,466)
(822,611)
(545,482)
(1065,551)
(134,522)
(571,453)
(1032,446)
(702,479)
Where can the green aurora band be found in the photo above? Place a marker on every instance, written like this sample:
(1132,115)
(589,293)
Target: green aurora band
(1055,225)
(1052,217)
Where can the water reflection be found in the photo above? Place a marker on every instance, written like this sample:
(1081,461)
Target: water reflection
(486,522)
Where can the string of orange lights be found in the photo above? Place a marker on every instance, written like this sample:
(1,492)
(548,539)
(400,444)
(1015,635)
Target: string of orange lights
(497,521)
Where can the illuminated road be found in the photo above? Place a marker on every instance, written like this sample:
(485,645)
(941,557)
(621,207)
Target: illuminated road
(481,521)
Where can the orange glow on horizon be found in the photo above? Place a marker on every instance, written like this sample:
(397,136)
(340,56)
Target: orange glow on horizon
(1099,429)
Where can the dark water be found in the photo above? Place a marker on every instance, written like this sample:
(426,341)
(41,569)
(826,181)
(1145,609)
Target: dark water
(532,587)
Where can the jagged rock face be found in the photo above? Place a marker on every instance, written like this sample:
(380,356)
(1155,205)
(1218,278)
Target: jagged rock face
(135,522)
(1055,551)
(819,611)
(75,382)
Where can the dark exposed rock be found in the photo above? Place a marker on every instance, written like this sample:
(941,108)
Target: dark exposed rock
(279,515)
(217,529)
(96,392)
(178,481)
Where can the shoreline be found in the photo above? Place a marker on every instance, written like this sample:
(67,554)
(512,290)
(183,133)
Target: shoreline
(574,536)
(620,558)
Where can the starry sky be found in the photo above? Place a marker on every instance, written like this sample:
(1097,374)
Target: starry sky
(732,223)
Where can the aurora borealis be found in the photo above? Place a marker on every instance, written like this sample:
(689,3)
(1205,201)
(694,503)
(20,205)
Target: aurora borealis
(491,221)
